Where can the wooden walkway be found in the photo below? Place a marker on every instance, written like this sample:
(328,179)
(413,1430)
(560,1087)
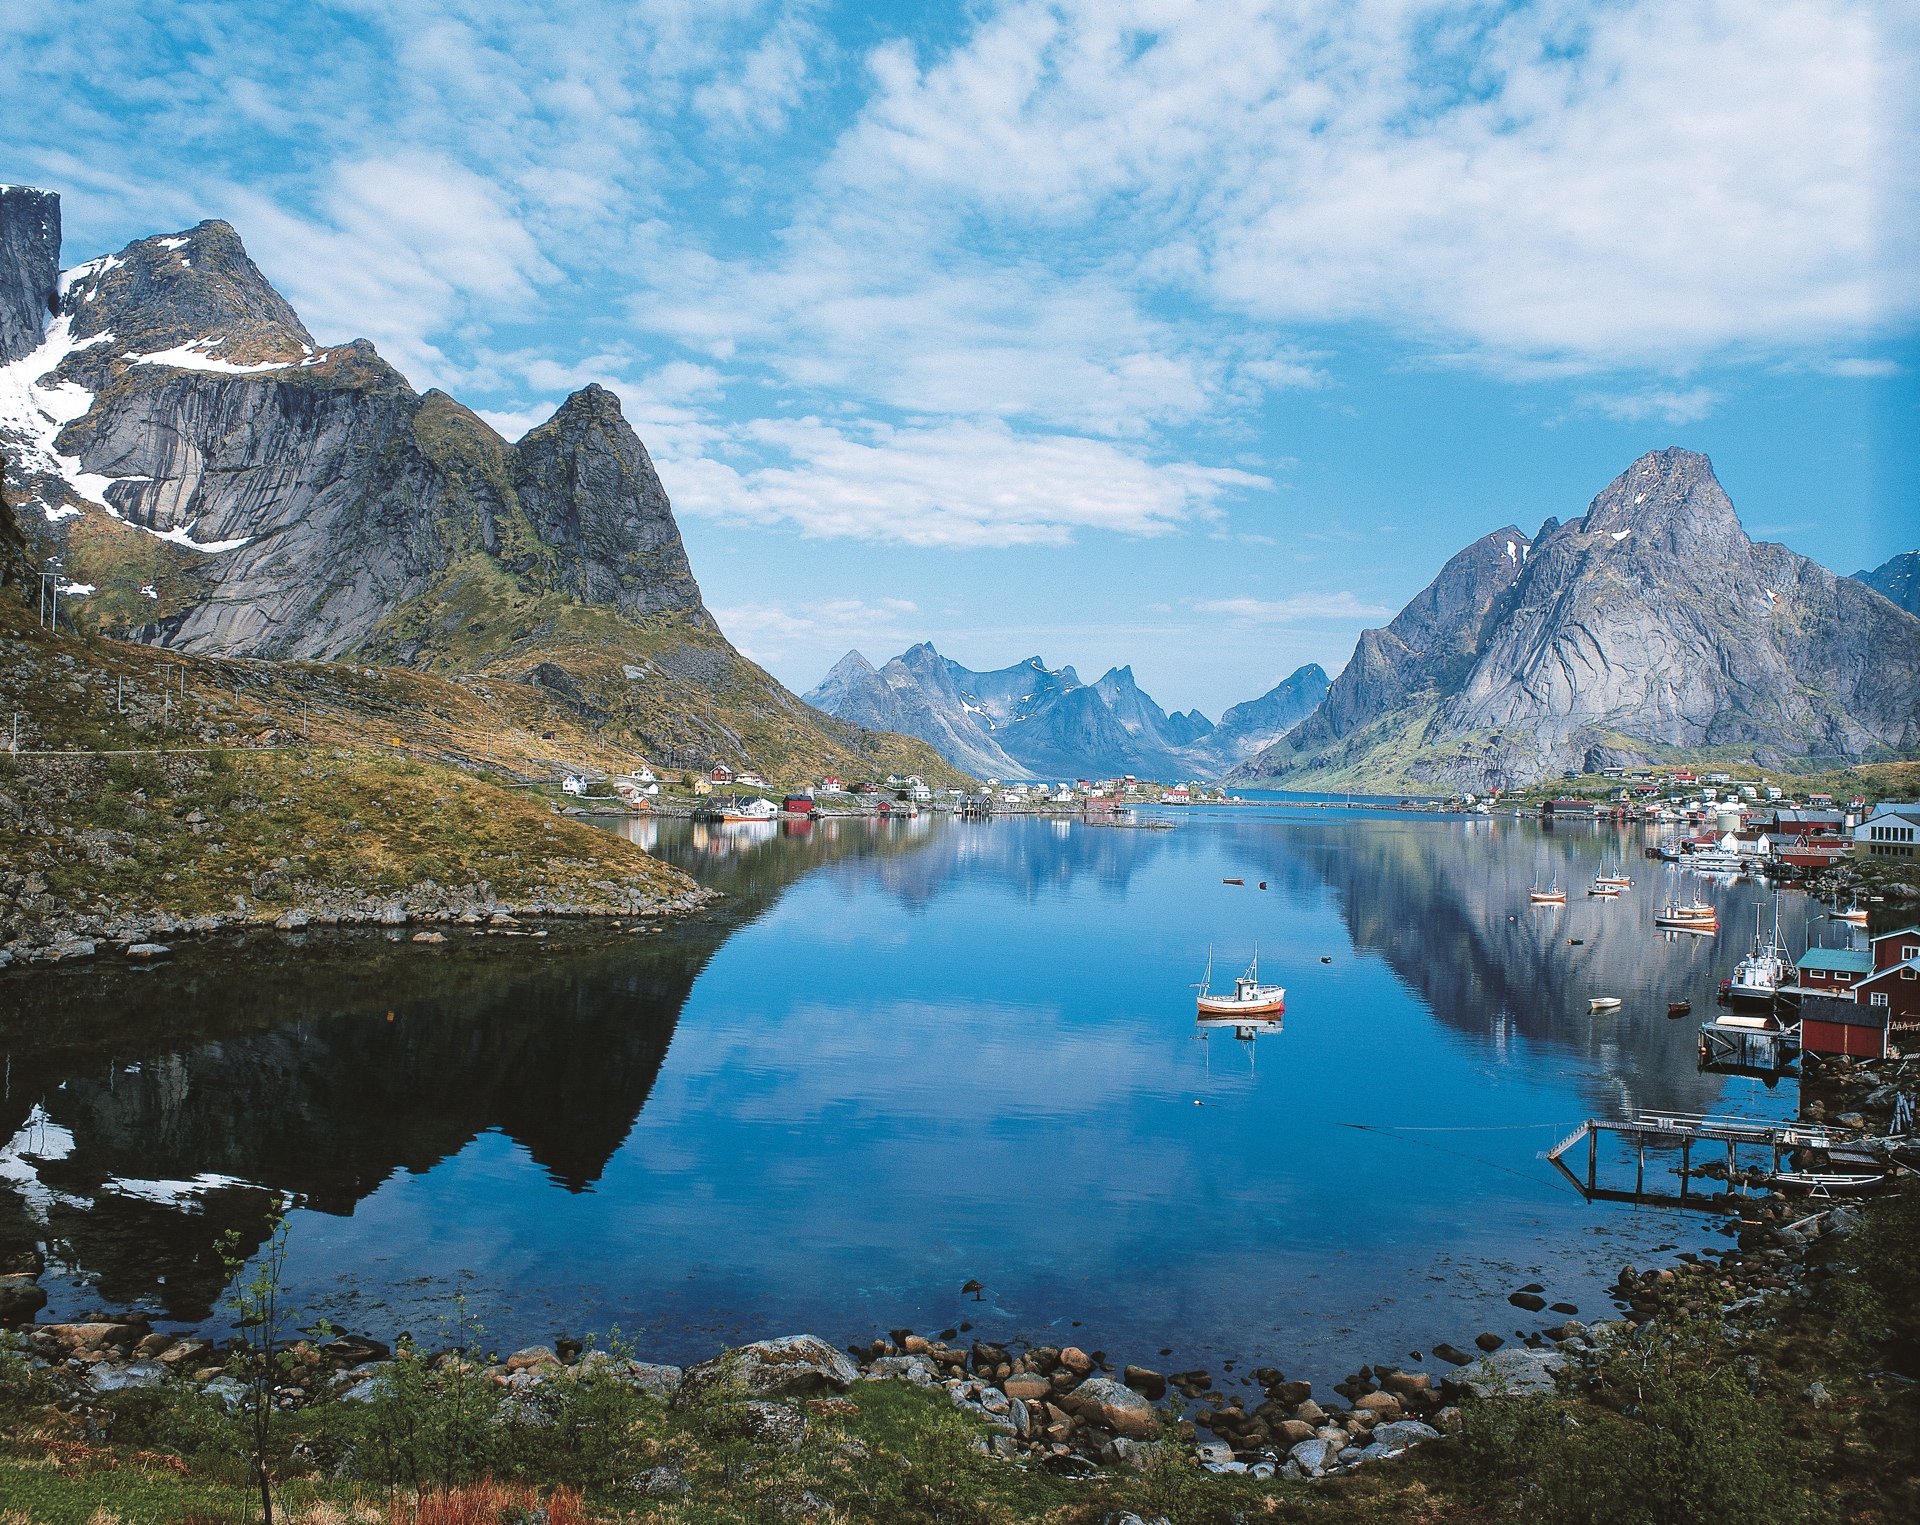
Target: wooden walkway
(1668,1131)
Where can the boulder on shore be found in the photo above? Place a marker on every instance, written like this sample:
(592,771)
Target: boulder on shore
(792,1366)
(1111,1405)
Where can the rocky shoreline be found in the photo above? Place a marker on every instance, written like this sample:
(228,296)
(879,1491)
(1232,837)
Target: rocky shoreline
(138,939)
(1068,1411)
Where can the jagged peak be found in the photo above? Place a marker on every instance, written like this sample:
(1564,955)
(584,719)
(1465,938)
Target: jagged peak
(194,292)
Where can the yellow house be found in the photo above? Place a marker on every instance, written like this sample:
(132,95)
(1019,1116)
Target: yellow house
(702,785)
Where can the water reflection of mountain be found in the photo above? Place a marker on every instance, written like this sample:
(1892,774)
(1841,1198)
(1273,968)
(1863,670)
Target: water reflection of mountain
(147,1112)
(1445,904)
(318,1072)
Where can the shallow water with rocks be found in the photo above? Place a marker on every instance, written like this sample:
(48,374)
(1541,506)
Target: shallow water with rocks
(895,1059)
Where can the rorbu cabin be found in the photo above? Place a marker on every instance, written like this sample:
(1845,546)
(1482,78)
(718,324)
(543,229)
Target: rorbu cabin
(1838,1024)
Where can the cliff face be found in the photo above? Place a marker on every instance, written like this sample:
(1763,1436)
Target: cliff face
(217,481)
(1650,622)
(29,268)
(324,493)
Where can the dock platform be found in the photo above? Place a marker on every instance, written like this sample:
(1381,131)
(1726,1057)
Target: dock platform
(1666,1132)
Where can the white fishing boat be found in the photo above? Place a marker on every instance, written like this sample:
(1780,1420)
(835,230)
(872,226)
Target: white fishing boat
(1603,890)
(1854,915)
(1616,881)
(1552,895)
(1250,1000)
(1763,971)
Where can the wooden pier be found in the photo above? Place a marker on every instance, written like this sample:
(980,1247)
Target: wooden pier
(1665,1132)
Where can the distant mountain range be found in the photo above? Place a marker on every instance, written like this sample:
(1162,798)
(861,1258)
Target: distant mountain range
(1651,625)
(1032,721)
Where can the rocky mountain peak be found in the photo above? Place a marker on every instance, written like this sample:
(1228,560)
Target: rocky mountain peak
(588,485)
(197,287)
(29,268)
(1670,498)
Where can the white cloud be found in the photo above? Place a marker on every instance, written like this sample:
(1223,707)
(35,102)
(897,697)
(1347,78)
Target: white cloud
(406,246)
(1665,404)
(955,483)
(1289,611)
(768,632)
(1862,369)
(1644,183)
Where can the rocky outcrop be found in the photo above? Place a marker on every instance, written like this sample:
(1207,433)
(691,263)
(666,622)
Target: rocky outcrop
(1652,622)
(29,268)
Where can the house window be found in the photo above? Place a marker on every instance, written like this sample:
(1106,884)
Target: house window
(1909,950)
(1878,998)
(1843,977)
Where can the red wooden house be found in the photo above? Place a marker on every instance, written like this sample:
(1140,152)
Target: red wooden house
(1895,981)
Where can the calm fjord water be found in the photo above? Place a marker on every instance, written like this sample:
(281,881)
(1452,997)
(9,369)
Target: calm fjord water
(903,1057)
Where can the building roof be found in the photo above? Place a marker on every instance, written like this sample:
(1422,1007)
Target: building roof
(1827,1008)
(1851,960)
(1912,964)
(1906,931)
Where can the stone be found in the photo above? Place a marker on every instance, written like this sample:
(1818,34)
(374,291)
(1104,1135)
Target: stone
(1112,1405)
(1076,1361)
(1515,1373)
(661,1482)
(185,1354)
(1451,1354)
(228,1391)
(1025,1386)
(111,1377)
(1403,1433)
(1387,1405)
(147,953)
(21,1297)
(392,916)
(1449,1421)
(916,1369)
(1407,1384)
(154,1346)
(1817,1395)
(1310,1413)
(532,1356)
(1489,1341)
(1215,1451)
(1149,1384)
(1124,1451)
(773,1424)
(1290,1432)
(792,1366)
(429,937)
(1310,1456)
(1533,1302)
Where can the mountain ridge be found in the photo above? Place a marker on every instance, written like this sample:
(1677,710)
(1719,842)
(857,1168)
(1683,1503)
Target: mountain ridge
(215,481)
(1651,624)
(1028,721)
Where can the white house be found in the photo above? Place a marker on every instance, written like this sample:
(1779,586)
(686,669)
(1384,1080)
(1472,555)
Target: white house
(1892,831)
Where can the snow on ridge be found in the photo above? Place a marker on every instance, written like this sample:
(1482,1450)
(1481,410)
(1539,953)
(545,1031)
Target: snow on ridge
(88,271)
(172,243)
(191,356)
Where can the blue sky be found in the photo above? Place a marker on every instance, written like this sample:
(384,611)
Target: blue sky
(1193,336)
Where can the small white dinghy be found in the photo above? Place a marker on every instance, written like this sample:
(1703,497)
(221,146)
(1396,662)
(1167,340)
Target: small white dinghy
(1603,1003)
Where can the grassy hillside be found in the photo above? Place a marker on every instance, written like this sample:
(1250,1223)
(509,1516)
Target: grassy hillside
(182,788)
